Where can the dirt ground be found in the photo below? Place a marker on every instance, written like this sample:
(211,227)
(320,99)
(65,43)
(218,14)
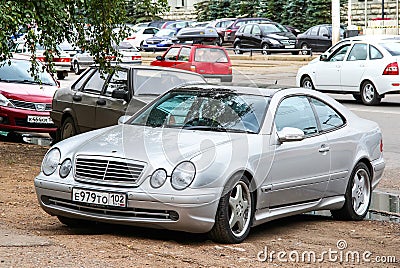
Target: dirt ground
(31,238)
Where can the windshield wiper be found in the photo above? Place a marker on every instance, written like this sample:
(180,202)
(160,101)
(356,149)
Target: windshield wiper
(217,129)
(23,81)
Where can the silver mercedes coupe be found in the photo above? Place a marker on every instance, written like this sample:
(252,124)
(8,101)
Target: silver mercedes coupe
(217,160)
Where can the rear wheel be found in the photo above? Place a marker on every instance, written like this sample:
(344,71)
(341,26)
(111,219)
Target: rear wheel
(265,48)
(77,68)
(307,83)
(220,40)
(68,128)
(369,96)
(357,196)
(305,51)
(237,48)
(235,213)
(60,75)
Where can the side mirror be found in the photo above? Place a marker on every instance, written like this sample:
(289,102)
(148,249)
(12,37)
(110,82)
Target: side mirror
(159,58)
(323,57)
(120,94)
(290,134)
(122,120)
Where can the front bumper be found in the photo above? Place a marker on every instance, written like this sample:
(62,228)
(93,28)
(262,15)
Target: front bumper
(191,210)
(13,119)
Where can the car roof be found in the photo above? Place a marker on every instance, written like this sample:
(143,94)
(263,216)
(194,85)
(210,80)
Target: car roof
(198,45)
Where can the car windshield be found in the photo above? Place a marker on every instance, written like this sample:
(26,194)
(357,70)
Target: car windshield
(212,110)
(124,45)
(165,32)
(210,55)
(19,72)
(272,28)
(157,82)
(392,47)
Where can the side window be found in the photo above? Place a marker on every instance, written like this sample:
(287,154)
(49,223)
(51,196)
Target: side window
(81,80)
(256,30)
(247,29)
(339,54)
(327,116)
(184,54)
(358,52)
(95,83)
(172,53)
(323,31)
(296,112)
(148,31)
(314,31)
(218,25)
(374,53)
(119,80)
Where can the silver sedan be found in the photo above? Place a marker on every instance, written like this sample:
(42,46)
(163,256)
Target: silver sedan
(217,160)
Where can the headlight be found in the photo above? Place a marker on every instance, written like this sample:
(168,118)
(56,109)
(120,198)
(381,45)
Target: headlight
(158,178)
(275,42)
(65,168)
(183,175)
(5,102)
(50,161)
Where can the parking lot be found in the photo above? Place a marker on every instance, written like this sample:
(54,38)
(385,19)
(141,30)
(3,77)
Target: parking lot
(31,238)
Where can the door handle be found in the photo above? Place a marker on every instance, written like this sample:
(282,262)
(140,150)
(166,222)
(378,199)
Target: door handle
(101,102)
(77,98)
(324,148)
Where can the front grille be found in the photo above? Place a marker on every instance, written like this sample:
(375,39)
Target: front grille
(152,42)
(108,170)
(30,105)
(24,123)
(138,213)
(288,42)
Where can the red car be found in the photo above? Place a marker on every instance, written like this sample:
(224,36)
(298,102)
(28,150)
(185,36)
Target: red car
(25,104)
(209,61)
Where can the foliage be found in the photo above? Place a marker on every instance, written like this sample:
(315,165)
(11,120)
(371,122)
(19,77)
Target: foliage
(294,14)
(146,10)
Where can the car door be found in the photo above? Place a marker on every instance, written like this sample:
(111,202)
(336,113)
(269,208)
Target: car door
(328,72)
(312,38)
(354,67)
(170,57)
(245,37)
(85,101)
(182,61)
(109,108)
(255,37)
(300,169)
(324,39)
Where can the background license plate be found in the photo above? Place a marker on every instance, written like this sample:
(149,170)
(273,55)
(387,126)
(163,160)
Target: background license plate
(99,198)
(40,119)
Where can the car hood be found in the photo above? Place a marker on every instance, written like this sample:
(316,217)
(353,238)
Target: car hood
(28,92)
(157,146)
(281,35)
(160,38)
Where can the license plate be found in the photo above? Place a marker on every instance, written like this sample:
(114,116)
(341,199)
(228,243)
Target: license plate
(40,119)
(99,198)
(150,45)
(289,46)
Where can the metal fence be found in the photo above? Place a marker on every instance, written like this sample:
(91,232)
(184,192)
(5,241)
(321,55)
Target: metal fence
(273,50)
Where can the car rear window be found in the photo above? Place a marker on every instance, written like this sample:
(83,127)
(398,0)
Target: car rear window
(392,47)
(210,55)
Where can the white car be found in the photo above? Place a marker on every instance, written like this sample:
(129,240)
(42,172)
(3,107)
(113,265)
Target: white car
(366,68)
(129,55)
(139,34)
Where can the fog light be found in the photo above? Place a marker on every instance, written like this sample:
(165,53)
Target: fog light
(173,215)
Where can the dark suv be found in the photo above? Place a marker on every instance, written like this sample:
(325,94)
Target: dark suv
(268,35)
(232,29)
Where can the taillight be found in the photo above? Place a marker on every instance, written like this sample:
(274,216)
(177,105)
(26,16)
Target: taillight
(110,57)
(391,69)
(40,58)
(136,57)
(130,38)
(62,59)
(381,146)
(228,31)
(193,68)
(230,69)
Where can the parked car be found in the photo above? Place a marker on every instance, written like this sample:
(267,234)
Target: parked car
(138,35)
(176,24)
(318,38)
(25,104)
(96,101)
(209,61)
(162,40)
(268,35)
(366,69)
(129,55)
(234,26)
(217,160)
(62,60)
(220,25)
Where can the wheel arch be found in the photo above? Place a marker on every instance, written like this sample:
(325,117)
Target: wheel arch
(304,76)
(371,81)
(69,113)
(368,164)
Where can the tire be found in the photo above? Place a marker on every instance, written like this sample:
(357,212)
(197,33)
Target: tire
(234,226)
(73,223)
(357,97)
(237,48)
(304,52)
(265,52)
(306,82)
(369,96)
(60,76)
(68,128)
(220,41)
(141,46)
(358,195)
(77,68)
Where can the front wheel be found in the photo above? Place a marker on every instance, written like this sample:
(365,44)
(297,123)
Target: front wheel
(60,75)
(307,83)
(235,213)
(265,48)
(369,96)
(357,196)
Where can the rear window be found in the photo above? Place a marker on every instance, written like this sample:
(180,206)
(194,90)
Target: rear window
(210,55)
(393,48)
